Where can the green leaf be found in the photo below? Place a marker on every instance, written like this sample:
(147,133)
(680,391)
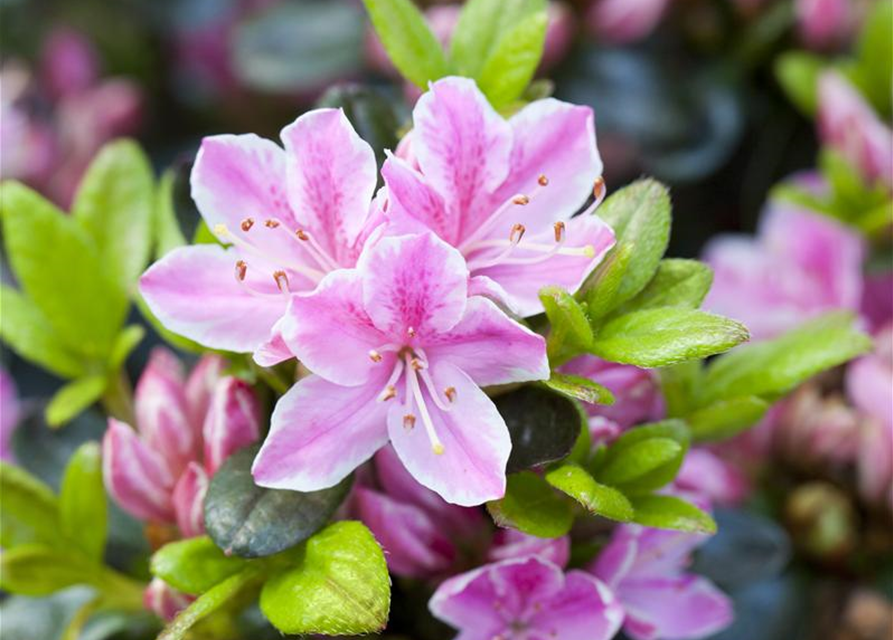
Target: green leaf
(127,341)
(27,332)
(666,335)
(677,283)
(251,521)
(168,235)
(875,49)
(413,49)
(640,458)
(340,586)
(600,289)
(640,217)
(771,368)
(60,270)
(635,465)
(543,426)
(597,498)
(798,74)
(39,570)
(29,509)
(669,512)
(74,398)
(580,388)
(481,27)
(194,565)
(530,505)
(216,598)
(82,503)
(726,418)
(571,332)
(114,204)
(511,66)
(678,384)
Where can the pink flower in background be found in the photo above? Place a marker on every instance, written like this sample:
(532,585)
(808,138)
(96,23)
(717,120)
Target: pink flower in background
(636,391)
(160,471)
(825,23)
(646,569)
(163,600)
(291,216)
(400,352)
(502,192)
(69,64)
(622,21)
(711,478)
(10,413)
(800,265)
(527,598)
(422,535)
(849,125)
(511,543)
(877,299)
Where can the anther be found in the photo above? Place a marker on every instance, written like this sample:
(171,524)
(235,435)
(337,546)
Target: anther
(410,332)
(281,280)
(559,231)
(521,199)
(301,235)
(543,180)
(517,233)
(416,364)
(246,224)
(437,449)
(390,391)
(598,189)
(374,355)
(241,270)
(450,393)
(408,421)
(271,223)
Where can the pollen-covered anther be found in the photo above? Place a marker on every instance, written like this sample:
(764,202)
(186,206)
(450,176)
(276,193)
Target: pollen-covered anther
(302,235)
(281,279)
(517,233)
(416,364)
(543,180)
(559,231)
(246,224)
(271,223)
(389,392)
(241,270)
(410,332)
(521,199)
(374,355)
(408,421)
(450,393)
(598,189)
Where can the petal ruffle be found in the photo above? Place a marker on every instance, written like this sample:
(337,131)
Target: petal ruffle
(413,205)
(585,609)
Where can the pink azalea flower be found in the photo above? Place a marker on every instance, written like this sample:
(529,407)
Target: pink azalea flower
(646,569)
(69,63)
(527,598)
(511,543)
(422,535)
(10,412)
(877,299)
(291,216)
(825,23)
(400,352)
(711,478)
(163,600)
(160,472)
(849,125)
(636,391)
(622,21)
(801,265)
(502,192)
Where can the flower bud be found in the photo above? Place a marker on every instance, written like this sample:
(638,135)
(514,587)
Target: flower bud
(233,421)
(200,387)
(9,413)
(511,543)
(188,497)
(824,23)
(69,63)
(163,600)
(621,21)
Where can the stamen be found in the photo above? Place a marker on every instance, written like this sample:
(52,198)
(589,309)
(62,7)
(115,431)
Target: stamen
(247,223)
(271,223)
(521,200)
(598,192)
(390,391)
(281,281)
(450,393)
(390,388)
(542,180)
(408,421)
(429,384)
(241,270)
(517,232)
(559,231)
(412,382)
(375,356)
(316,250)
(410,332)
(515,236)
(417,364)
(223,232)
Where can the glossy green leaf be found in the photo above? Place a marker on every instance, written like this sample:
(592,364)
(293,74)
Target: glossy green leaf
(39,570)
(168,235)
(798,74)
(571,332)
(638,459)
(413,49)
(29,511)
(530,505)
(127,341)
(339,586)
(83,508)
(218,597)
(670,512)
(601,288)
(74,398)
(726,418)
(194,565)
(597,498)
(580,388)
(511,65)
(666,335)
(677,283)
(638,467)
(678,384)
(875,48)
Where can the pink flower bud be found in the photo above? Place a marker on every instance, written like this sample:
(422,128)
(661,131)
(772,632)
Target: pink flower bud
(69,63)
(511,543)
(189,493)
(824,23)
(233,421)
(163,600)
(621,21)
(137,477)
(705,474)
(200,387)
(10,411)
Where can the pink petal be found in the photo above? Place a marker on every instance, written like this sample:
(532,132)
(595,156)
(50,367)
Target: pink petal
(490,347)
(319,433)
(617,558)
(488,288)
(523,282)
(136,476)
(620,21)
(331,178)
(413,284)
(585,609)
(712,477)
(274,351)
(463,148)
(414,545)
(194,292)
(511,543)
(188,497)
(233,421)
(331,333)
(476,443)
(200,386)
(163,600)
(413,205)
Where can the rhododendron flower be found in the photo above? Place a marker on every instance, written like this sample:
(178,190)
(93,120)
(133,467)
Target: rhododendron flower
(290,216)
(400,352)
(801,265)
(527,598)
(502,192)
(849,124)
(511,543)
(711,478)
(621,21)
(185,430)
(646,569)
(423,536)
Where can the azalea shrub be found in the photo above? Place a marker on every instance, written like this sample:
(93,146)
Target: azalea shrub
(418,369)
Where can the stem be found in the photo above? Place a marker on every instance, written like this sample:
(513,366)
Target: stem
(118,398)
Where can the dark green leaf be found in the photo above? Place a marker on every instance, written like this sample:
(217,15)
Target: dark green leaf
(677,283)
(669,512)
(194,565)
(30,511)
(511,66)
(251,521)
(580,388)
(597,498)
(39,570)
(74,398)
(726,418)
(82,503)
(530,505)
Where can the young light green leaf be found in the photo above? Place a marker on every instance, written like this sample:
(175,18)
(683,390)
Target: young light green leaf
(340,586)
(511,66)
(127,341)
(639,459)
(413,49)
(74,398)
(39,570)
(530,505)
(636,466)
(677,283)
(772,368)
(678,384)
(875,50)
(114,204)
(27,332)
(597,498)
(798,74)
(580,388)
(29,511)
(82,503)
(481,26)
(571,332)
(194,565)
(670,512)
(726,418)
(168,234)
(666,335)
(600,289)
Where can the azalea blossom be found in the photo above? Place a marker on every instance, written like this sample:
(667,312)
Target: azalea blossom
(711,478)
(826,23)
(502,192)
(527,598)
(646,569)
(511,543)
(290,217)
(622,21)
(399,351)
